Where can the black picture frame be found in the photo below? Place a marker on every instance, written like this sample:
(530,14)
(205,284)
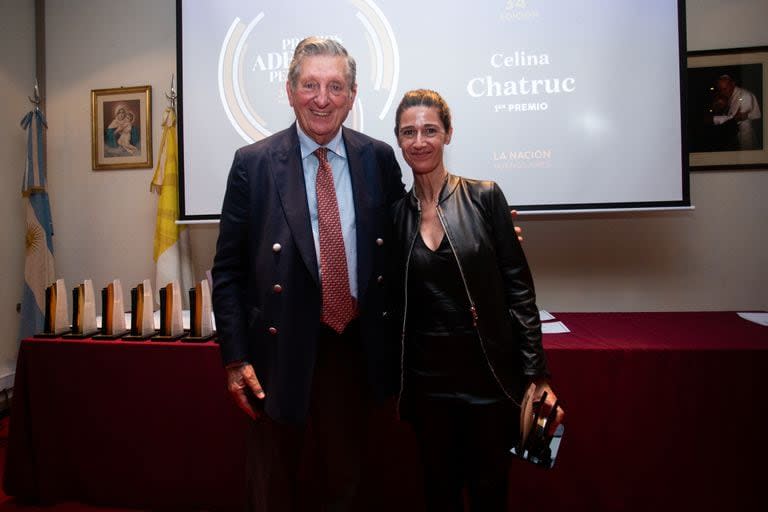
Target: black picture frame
(717,139)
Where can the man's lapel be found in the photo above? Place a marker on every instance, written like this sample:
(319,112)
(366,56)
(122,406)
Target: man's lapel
(289,177)
(362,163)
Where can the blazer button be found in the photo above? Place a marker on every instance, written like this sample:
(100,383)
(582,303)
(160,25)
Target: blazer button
(277,288)
(273,331)
(380,279)
(277,248)
(379,242)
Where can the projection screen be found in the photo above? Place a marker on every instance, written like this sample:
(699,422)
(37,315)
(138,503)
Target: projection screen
(567,105)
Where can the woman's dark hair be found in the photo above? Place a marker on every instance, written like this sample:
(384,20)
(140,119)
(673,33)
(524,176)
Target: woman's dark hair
(423,98)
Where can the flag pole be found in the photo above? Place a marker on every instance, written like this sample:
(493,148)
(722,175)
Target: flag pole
(35,99)
(172,251)
(38,238)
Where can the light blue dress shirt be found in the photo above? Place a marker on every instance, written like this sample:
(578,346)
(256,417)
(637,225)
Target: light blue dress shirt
(337,158)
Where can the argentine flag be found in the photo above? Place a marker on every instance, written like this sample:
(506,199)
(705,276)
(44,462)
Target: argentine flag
(38,267)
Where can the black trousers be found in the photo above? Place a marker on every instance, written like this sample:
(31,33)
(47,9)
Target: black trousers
(464,450)
(315,466)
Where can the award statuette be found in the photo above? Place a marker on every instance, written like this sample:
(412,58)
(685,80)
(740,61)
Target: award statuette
(83,311)
(112,312)
(171,321)
(200,311)
(536,444)
(55,323)
(142,315)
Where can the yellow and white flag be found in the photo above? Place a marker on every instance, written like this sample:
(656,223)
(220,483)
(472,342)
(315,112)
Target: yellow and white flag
(172,253)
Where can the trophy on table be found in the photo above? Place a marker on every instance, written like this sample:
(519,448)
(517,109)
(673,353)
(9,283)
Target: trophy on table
(83,311)
(200,313)
(112,312)
(171,320)
(142,314)
(55,322)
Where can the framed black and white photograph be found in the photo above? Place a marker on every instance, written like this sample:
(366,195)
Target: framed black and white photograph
(727,127)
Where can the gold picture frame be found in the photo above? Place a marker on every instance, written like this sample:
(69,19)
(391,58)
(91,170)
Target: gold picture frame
(121,128)
(718,139)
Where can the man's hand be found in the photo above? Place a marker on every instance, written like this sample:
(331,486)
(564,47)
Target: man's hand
(542,385)
(242,382)
(518,229)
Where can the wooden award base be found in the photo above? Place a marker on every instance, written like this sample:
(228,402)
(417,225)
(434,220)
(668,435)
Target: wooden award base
(115,336)
(79,335)
(49,335)
(138,337)
(161,337)
(198,339)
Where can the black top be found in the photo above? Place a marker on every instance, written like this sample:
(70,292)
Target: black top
(438,303)
(444,358)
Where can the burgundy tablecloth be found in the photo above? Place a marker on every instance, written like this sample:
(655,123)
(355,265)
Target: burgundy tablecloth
(665,410)
(124,423)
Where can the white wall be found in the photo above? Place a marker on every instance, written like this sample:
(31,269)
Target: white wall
(711,258)
(717,24)
(104,219)
(17,77)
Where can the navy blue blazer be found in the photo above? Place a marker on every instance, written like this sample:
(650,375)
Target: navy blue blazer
(266,287)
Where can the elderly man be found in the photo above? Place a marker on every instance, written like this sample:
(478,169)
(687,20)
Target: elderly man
(299,287)
(742,108)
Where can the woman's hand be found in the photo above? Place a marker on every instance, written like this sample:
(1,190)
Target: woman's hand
(542,386)
(518,229)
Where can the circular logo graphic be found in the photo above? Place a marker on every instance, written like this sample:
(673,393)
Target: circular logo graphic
(257,50)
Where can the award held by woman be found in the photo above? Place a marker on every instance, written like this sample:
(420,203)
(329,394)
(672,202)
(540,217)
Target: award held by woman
(537,444)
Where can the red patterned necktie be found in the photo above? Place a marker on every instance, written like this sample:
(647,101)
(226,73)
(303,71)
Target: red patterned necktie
(338,305)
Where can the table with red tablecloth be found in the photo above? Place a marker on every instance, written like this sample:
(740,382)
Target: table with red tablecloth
(664,410)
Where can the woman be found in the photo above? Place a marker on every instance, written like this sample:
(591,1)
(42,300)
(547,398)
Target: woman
(112,131)
(471,338)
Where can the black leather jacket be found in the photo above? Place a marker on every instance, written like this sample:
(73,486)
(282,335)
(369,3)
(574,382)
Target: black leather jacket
(477,222)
